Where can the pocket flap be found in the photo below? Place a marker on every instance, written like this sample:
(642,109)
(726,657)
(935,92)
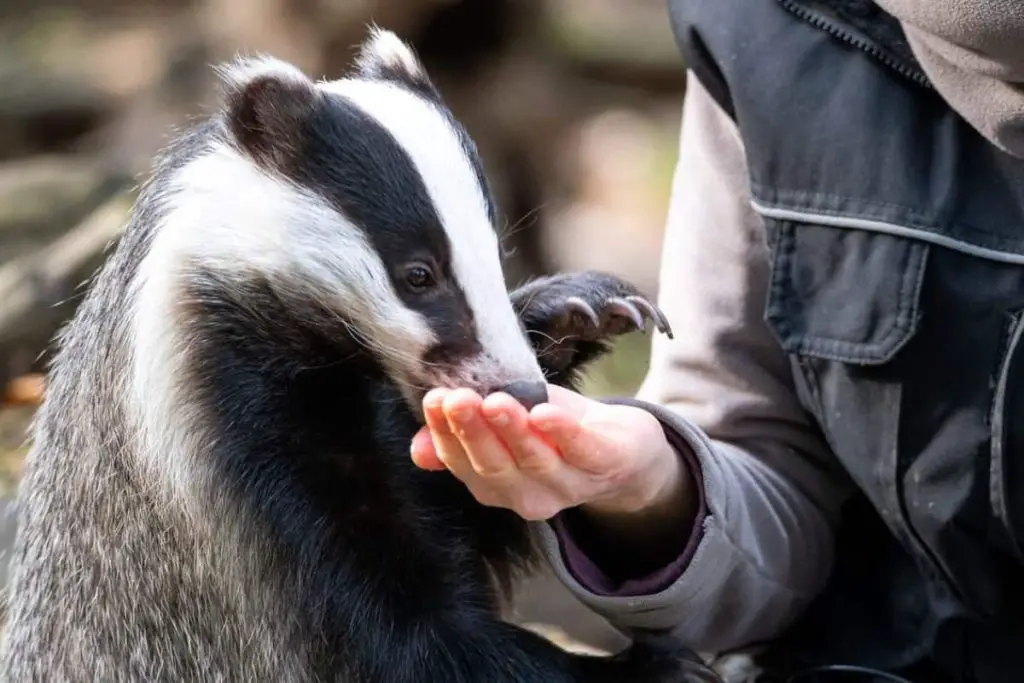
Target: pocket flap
(848,295)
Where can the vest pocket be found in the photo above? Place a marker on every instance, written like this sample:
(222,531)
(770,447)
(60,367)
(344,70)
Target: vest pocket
(845,295)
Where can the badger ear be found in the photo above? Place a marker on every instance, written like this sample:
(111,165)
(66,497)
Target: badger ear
(385,56)
(265,103)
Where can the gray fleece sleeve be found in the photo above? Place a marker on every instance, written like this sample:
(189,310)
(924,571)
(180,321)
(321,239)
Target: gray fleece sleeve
(722,389)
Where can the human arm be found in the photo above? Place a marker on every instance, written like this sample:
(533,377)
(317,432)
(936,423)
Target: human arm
(723,386)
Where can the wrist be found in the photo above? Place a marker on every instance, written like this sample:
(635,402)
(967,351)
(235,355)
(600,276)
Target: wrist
(659,487)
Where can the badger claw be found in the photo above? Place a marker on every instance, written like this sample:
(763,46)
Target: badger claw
(634,307)
(652,312)
(578,305)
(622,307)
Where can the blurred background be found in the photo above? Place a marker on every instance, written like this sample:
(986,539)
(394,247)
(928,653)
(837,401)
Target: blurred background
(574,104)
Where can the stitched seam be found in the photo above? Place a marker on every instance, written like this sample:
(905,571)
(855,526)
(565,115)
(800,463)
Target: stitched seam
(694,589)
(918,219)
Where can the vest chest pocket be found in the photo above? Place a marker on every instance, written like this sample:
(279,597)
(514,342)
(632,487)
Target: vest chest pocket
(844,295)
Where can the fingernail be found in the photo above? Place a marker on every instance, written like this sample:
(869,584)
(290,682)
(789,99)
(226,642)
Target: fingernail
(500,419)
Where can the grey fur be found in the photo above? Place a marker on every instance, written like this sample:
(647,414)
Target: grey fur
(77,538)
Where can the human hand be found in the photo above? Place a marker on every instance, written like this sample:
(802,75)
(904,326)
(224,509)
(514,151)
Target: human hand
(613,460)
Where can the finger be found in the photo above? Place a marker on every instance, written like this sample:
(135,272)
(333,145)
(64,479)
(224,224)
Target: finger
(532,454)
(446,444)
(423,453)
(580,448)
(486,453)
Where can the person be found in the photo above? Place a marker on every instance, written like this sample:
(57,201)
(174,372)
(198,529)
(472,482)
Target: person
(828,459)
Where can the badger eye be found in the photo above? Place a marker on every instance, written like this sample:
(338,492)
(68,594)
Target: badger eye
(419,277)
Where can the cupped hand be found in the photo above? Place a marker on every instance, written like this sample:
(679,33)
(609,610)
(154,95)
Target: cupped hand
(572,451)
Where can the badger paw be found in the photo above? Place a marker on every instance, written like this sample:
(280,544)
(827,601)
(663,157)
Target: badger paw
(571,319)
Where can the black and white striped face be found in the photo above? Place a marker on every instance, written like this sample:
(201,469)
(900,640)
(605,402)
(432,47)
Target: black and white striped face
(365,196)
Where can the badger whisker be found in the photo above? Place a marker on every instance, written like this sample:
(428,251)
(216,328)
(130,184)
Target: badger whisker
(510,231)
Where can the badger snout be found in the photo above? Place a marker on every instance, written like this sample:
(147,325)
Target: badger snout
(527,393)
(484,377)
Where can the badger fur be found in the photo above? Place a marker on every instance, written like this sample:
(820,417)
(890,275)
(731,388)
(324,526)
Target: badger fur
(220,487)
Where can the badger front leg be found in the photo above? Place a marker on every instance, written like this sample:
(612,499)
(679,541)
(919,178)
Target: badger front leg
(571,319)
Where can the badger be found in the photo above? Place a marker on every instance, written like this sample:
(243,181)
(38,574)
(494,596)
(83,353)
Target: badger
(219,486)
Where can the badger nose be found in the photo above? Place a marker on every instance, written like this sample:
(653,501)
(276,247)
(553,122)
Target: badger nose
(528,394)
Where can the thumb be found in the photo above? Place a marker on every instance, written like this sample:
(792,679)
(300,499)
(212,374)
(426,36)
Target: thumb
(424,455)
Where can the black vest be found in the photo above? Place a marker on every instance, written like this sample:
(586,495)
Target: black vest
(897,289)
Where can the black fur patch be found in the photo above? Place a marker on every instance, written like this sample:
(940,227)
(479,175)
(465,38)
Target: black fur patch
(316,443)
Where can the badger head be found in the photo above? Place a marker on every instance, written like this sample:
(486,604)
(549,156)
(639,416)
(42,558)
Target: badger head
(362,203)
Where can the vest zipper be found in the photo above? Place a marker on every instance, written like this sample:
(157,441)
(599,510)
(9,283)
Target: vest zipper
(835,30)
